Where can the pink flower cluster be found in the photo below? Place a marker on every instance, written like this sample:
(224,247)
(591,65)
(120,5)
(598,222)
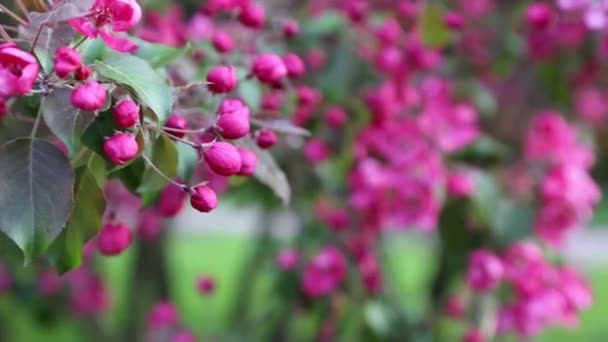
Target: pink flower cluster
(400,170)
(540,294)
(568,194)
(324,273)
(594,12)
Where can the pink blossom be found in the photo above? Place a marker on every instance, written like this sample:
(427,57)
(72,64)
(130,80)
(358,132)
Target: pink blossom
(18,70)
(106,18)
(324,273)
(485,270)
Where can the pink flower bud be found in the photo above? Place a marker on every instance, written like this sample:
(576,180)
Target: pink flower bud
(121,148)
(485,270)
(389,60)
(287,259)
(234,107)
(206,285)
(204,199)
(454,20)
(233,126)
(252,15)
(389,32)
(460,184)
(266,138)
(324,273)
(335,117)
(539,15)
(223,158)
(83,73)
(473,335)
(126,114)
(163,315)
(3,107)
(308,96)
(176,122)
(114,239)
(90,96)
(248,162)
(149,225)
(269,68)
(316,151)
(357,10)
(49,282)
(6,279)
(184,336)
(294,64)
(454,307)
(233,120)
(290,29)
(222,42)
(272,101)
(171,200)
(67,60)
(316,59)
(222,79)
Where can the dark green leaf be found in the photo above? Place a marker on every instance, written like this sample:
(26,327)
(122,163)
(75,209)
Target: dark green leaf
(86,220)
(65,121)
(158,55)
(268,171)
(134,73)
(164,157)
(188,159)
(251,93)
(36,193)
(92,50)
(94,136)
(328,22)
(433,29)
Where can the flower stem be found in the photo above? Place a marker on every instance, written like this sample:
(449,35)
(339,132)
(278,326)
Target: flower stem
(162,174)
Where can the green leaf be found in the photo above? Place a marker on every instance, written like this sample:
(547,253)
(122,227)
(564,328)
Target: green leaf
(131,175)
(188,159)
(134,73)
(92,50)
(328,22)
(36,193)
(251,93)
(65,121)
(86,220)
(268,171)
(486,197)
(433,29)
(158,55)
(94,136)
(165,158)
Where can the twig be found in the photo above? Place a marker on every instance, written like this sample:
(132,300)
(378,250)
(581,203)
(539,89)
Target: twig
(36,39)
(23,9)
(5,35)
(36,124)
(12,15)
(9,28)
(82,40)
(162,174)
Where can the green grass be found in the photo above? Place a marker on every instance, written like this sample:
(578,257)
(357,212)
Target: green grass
(222,256)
